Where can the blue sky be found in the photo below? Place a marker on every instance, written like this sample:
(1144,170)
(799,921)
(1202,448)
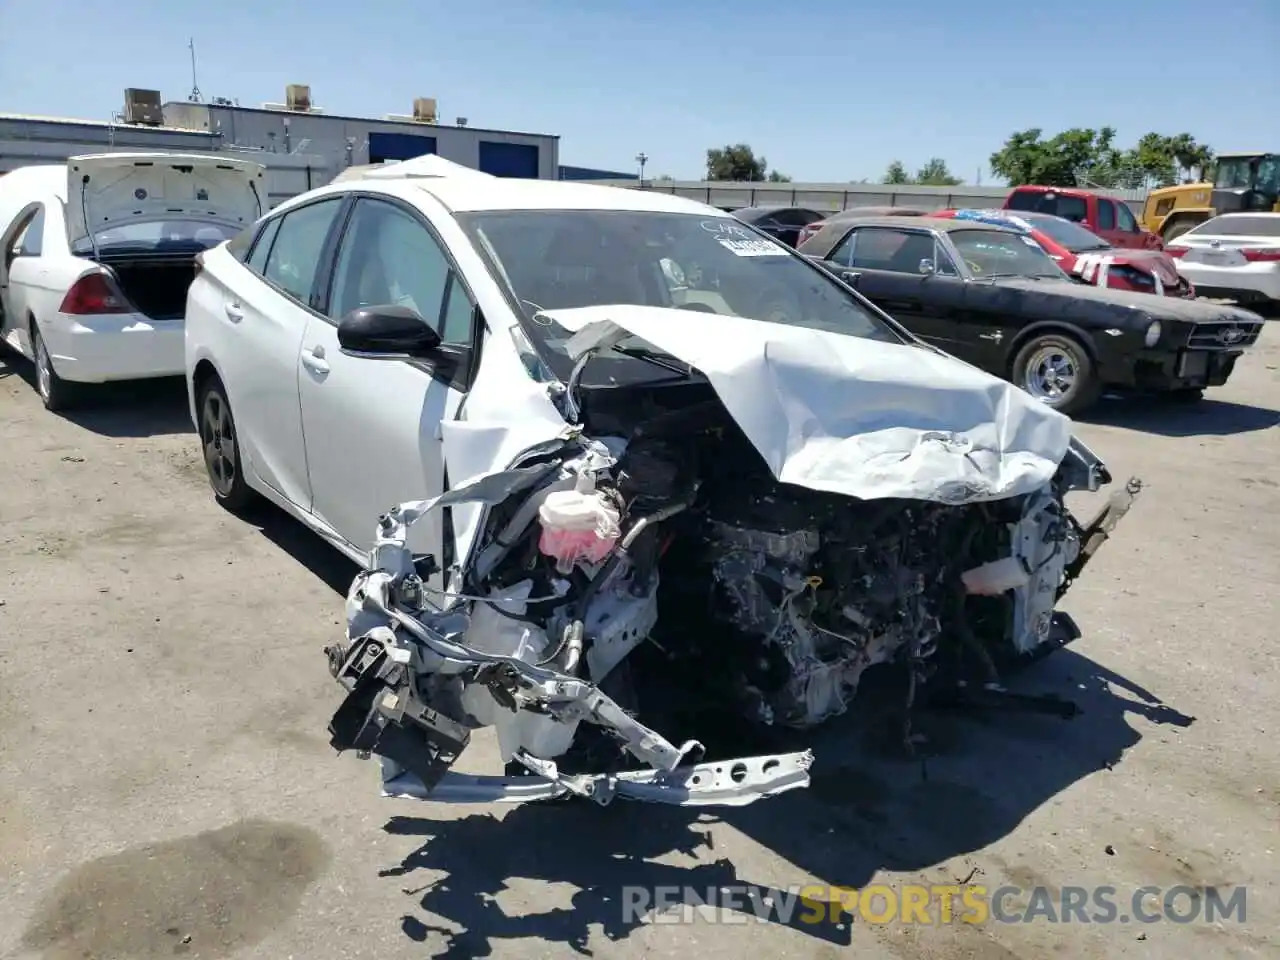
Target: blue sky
(825,90)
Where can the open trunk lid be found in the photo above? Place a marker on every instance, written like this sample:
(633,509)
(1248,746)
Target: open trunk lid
(113,189)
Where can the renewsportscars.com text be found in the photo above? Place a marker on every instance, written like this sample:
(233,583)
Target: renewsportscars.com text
(935,904)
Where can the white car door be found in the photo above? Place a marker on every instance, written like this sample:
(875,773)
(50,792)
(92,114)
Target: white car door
(266,311)
(372,427)
(20,276)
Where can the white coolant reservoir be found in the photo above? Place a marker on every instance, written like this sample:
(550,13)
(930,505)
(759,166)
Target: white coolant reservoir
(578,526)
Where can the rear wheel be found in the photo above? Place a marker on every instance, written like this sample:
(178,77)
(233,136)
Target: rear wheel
(1056,369)
(221,448)
(55,393)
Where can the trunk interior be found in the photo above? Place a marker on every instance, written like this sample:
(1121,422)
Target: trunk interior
(157,287)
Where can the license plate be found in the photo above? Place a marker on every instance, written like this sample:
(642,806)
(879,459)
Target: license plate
(1194,365)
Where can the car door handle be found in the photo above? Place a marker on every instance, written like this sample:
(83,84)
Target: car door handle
(851,277)
(234,313)
(314,360)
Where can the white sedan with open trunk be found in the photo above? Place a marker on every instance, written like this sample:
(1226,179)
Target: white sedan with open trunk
(98,254)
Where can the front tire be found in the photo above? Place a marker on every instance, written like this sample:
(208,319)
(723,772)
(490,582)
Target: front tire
(55,393)
(1178,228)
(220,448)
(1056,369)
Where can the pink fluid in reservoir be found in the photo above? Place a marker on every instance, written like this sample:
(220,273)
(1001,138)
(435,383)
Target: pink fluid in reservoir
(578,526)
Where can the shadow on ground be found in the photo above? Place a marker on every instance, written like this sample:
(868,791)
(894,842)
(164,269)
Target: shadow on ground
(300,543)
(134,408)
(1171,418)
(868,809)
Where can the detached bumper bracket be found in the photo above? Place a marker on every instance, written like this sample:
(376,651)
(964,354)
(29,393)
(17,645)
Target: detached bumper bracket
(729,783)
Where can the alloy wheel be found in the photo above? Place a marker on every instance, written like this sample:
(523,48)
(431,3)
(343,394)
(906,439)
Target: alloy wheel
(217,434)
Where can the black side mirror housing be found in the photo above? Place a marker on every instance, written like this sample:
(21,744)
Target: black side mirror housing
(389,331)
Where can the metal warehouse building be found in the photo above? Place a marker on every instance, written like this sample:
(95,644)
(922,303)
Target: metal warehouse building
(297,127)
(301,145)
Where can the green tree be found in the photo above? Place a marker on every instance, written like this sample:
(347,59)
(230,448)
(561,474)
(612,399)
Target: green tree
(1090,158)
(935,174)
(777,177)
(896,173)
(735,162)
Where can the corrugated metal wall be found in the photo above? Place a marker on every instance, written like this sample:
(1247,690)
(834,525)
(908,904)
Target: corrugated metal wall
(840,196)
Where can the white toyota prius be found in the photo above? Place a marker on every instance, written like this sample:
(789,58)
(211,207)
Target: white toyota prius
(555,421)
(98,255)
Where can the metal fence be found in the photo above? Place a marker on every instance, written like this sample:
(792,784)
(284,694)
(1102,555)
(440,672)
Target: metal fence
(841,196)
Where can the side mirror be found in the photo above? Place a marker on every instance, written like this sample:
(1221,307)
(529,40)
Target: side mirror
(925,267)
(387,332)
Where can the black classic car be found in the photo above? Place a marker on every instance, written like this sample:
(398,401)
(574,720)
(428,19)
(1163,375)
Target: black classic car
(996,299)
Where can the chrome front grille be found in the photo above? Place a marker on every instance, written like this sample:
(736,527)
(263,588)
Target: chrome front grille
(1224,335)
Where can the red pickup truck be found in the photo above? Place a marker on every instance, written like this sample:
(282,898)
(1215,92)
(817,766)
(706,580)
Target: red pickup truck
(1109,218)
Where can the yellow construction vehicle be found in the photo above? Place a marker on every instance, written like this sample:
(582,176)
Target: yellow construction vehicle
(1243,182)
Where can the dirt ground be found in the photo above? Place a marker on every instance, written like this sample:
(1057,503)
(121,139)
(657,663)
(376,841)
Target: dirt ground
(166,786)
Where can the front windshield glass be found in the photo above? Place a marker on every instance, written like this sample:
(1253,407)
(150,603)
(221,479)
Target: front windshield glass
(561,259)
(1074,237)
(1233,174)
(991,253)
(157,236)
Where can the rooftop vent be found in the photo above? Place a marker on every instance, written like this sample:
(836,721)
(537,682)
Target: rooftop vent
(143,107)
(461,121)
(424,110)
(297,97)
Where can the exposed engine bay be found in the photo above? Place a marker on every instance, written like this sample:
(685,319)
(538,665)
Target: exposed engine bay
(647,569)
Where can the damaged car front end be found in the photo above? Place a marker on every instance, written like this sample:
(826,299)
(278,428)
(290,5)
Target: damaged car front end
(742,544)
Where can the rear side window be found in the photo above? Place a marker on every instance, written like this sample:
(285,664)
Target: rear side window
(295,255)
(238,246)
(1106,215)
(1125,215)
(1071,208)
(32,243)
(1025,200)
(257,261)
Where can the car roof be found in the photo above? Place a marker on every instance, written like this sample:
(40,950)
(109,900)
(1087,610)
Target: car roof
(769,211)
(1069,191)
(475,194)
(945,224)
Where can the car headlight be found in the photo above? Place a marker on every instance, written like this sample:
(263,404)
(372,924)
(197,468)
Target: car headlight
(1153,334)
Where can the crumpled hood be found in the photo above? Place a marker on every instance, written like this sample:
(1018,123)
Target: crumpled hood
(851,416)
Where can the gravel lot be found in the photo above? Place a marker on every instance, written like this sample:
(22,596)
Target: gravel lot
(166,786)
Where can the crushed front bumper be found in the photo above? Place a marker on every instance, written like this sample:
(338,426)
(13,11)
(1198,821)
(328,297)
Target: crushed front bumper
(1183,369)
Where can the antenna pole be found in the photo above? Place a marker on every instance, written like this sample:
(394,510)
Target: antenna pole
(195,87)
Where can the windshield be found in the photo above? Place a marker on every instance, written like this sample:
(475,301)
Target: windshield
(157,236)
(554,259)
(992,253)
(1249,173)
(1074,237)
(1238,226)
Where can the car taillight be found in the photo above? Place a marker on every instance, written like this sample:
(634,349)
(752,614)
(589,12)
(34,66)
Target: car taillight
(1176,251)
(1263,255)
(92,294)
(809,230)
